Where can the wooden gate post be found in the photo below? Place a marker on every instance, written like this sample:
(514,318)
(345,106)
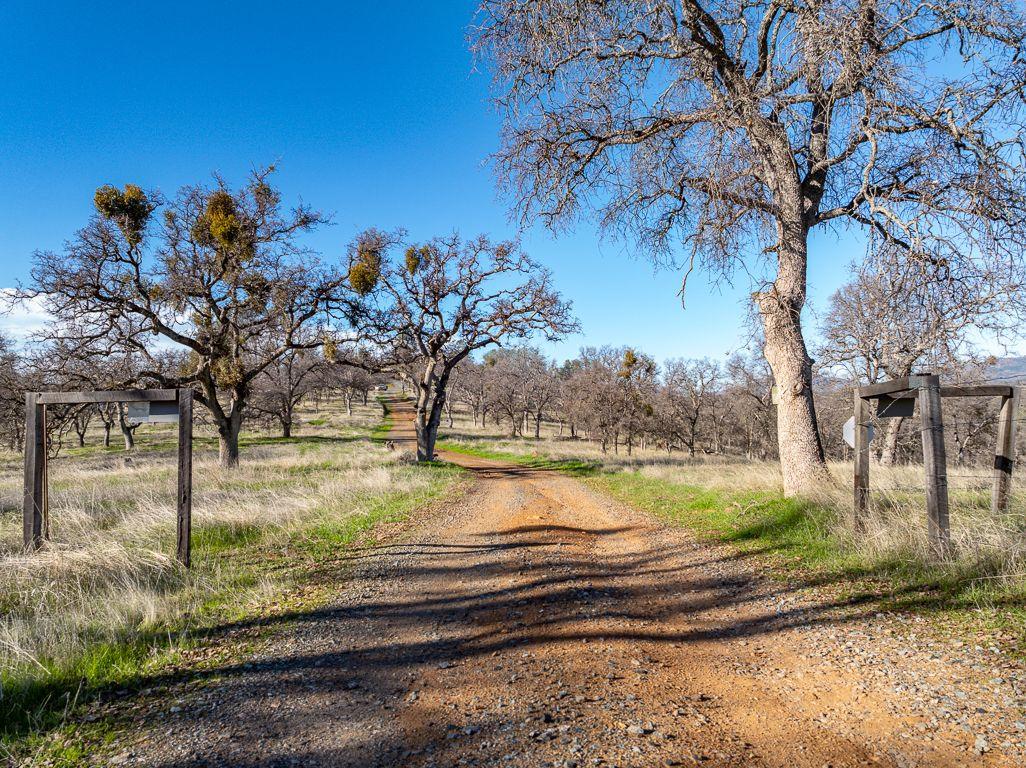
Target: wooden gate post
(935,464)
(1004,456)
(184,549)
(861,460)
(35,472)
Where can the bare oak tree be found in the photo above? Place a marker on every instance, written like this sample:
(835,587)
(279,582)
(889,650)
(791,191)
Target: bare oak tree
(427,307)
(470,389)
(218,275)
(748,389)
(284,384)
(743,125)
(690,386)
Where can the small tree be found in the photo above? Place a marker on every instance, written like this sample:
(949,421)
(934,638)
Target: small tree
(284,384)
(749,386)
(636,385)
(596,384)
(218,275)
(506,387)
(426,308)
(542,389)
(690,386)
(470,388)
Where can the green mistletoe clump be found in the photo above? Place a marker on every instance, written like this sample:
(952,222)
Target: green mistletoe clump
(129,209)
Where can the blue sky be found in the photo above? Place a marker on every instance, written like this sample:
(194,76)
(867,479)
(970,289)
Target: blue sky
(373,113)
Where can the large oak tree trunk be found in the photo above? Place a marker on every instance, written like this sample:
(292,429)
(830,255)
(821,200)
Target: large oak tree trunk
(421,422)
(801,453)
(431,397)
(228,430)
(889,454)
(434,420)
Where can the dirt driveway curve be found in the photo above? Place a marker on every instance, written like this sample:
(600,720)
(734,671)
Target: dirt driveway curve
(533,622)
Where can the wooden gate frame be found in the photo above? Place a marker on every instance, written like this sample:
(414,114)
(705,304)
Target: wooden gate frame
(35,504)
(928,389)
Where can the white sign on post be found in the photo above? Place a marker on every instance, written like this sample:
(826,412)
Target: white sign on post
(163,412)
(849,432)
(156,412)
(137,412)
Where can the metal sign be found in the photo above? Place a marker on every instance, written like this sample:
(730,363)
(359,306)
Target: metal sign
(848,432)
(156,412)
(138,412)
(163,413)
(888,407)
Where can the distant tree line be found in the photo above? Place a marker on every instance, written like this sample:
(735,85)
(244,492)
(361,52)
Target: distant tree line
(621,399)
(298,378)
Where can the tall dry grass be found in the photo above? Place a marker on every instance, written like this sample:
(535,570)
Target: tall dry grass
(108,571)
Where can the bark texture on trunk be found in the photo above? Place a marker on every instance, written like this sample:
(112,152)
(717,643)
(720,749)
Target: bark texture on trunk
(431,397)
(228,439)
(801,454)
(127,430)
(889,454)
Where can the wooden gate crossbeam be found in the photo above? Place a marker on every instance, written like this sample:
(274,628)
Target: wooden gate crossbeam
(928,390)
(34,506)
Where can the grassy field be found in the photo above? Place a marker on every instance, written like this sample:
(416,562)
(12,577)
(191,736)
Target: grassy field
(740,503)
(105,604)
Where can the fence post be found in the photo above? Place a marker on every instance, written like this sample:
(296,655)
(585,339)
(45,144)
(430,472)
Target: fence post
(861,414)
(1004,456)
(35,472)
(935,464)
(184,550)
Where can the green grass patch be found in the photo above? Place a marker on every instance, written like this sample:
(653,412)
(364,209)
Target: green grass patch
(798,538)
(794,531)
(380,432)
(573,467)
(214,539)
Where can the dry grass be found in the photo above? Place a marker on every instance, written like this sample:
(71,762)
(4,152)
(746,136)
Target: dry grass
(108,576)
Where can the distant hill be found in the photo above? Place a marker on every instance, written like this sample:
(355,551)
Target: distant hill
(1009,368)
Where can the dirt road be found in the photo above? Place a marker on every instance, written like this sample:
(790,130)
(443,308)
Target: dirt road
(535,623)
